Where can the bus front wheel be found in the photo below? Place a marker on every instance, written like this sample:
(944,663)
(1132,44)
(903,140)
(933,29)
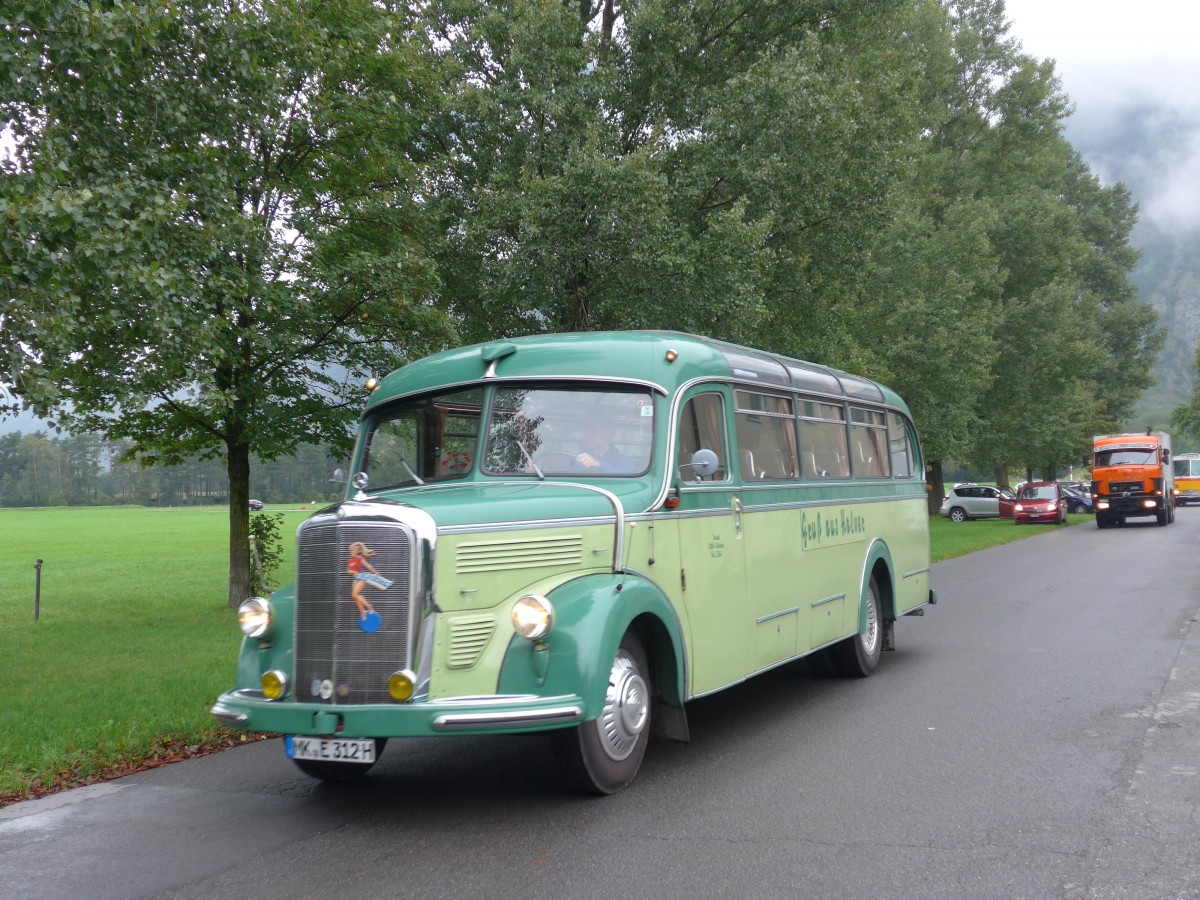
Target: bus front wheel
(857,656)
(603,755)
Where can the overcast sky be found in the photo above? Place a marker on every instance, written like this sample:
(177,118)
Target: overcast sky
(1115,57)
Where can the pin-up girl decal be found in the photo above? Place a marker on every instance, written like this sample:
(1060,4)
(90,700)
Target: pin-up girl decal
(364,573)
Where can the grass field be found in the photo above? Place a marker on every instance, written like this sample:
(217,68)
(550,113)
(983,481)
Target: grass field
(134,642)
(135,639)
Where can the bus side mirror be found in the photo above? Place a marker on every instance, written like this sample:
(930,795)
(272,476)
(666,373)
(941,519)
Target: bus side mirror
(1166,457)
(704,463)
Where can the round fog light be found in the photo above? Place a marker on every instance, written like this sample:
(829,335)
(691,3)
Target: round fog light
(532,616)
(274,683)
(254,617)
(400,686)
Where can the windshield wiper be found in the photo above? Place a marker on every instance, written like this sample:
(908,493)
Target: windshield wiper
(529,459)
(408,468)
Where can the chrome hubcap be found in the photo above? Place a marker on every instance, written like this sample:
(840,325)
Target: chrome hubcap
(626,708)
(871,636)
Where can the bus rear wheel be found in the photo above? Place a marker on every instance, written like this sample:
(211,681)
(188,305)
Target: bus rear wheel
(326,770)
(857,656)
(603,755)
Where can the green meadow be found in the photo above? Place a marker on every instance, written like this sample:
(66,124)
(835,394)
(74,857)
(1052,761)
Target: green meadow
(135,639)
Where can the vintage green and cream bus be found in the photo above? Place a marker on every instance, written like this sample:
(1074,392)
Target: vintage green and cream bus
(578,534)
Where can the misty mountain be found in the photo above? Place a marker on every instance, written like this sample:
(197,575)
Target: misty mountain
(1154,149)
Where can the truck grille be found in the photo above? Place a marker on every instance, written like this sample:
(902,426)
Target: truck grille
(336,661)
(1120,487)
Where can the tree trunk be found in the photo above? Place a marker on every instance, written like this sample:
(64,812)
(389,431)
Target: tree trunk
(1001,474)
(936,486)
(238,470)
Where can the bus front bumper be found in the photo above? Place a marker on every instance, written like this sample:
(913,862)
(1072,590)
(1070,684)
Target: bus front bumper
(500,714)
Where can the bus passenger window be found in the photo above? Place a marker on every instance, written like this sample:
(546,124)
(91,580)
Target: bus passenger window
(823,449)
(702,427)
(766,434)
(900,445)
(868,441)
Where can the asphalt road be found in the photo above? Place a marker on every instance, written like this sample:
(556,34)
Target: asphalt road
(1037,734)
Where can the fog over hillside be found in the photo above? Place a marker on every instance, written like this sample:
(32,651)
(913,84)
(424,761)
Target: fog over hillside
(1132,73)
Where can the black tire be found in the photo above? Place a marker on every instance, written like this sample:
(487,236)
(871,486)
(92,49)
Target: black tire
(339,771)
(958,514)
(1161,516)
(602,756)
(857,656)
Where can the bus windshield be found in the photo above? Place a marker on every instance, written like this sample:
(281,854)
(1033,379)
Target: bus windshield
(535,430)
(430,439)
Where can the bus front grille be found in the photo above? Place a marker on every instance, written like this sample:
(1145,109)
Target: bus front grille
(338,661)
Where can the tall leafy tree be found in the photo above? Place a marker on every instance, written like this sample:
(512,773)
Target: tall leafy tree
(711,166)
(211,232)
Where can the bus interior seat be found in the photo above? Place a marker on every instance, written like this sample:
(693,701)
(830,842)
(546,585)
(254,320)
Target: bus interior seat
(774,463)
(748,469)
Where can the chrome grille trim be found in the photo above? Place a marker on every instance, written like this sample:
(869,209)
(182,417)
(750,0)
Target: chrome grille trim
(336,662)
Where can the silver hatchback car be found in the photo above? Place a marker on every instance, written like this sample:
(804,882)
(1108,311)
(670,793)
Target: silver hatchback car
(977,501)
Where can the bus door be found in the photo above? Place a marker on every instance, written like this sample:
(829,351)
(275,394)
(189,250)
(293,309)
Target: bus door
(768,466)
(711,549)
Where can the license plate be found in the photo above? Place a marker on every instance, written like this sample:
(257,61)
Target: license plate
(331,749)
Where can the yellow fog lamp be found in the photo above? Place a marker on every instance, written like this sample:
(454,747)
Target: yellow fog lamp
(401,685)
(274,684)
(532,616)
(254,618)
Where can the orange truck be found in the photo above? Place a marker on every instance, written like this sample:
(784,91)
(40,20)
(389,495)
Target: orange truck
(1132,476)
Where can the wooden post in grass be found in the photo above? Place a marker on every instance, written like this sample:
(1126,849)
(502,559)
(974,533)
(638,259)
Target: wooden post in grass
(37,592)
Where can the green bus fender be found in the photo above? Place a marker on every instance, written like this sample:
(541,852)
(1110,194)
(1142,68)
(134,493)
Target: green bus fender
(591,615)
(257,657)
(878,554)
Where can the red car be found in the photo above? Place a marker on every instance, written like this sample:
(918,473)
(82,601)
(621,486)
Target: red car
(1040,501)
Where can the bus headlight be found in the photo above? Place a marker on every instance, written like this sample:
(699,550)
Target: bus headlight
(532,616)
(254,618)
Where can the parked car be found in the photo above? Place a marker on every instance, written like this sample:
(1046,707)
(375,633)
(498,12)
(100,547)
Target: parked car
(977,501)
(1040,501)
(1078,501)
(256,504)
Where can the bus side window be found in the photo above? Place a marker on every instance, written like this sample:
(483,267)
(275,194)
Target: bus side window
(702,427)
(823,449)
(868,438)
(766,435)
(900,444)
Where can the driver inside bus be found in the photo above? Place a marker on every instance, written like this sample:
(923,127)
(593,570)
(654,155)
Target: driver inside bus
(599,454)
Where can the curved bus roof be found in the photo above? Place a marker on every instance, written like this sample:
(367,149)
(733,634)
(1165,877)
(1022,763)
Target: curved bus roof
(638,356)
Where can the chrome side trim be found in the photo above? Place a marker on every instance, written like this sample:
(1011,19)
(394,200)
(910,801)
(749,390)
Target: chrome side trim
(915,572)
(817,603)
(555,715)
(786,612)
